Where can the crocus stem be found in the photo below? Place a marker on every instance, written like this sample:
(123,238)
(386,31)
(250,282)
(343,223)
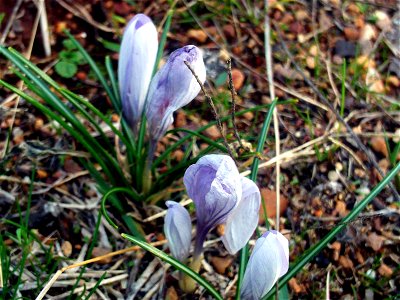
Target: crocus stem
(187,284)
(147,169)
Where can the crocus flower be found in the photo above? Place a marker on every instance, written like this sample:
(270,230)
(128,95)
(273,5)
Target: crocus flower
(221,195)
(178,230)
(137,57)
(268,262)
(172,87)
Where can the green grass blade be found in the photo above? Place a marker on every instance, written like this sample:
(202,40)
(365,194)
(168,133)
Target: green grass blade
(168,151)
(244,253)
(175,263)
(312,252)
(57,104)
(115,101)
(64,124)
(163,39)
(113,81)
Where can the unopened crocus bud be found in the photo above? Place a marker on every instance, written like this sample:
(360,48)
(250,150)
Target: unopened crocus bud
(215,186)
(172,87)
(137,57)
(178,230)
(268,261)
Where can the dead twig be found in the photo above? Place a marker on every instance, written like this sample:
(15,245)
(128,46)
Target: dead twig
(335,112)
(89,261)
(233,107)
(213,109)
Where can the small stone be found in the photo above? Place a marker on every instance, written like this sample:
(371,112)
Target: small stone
(393,80)
(340,208)
(81,75)
(301,15)
(220,229)
(351,33)
(375,241)
(42,174)
(345,49)
(171,294)
(313,51)
(310,61)
(336,246)
(379,145)
(269,198)
(295,286)
(248,116)
(385,270)
(339,167)
(229,31)
(98,251)
(38,123)
(180,119)
(213,132)
(345,262)
(178,155)
(197,34)
(333,176)
(237,78)
(368,33)
(66,248)
(221,263)
(382,20)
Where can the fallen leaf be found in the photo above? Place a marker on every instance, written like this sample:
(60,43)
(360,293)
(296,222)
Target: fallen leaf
(375,241)
(221,263)
(269,198)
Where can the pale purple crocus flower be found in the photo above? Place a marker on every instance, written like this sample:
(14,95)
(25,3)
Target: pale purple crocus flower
(268,262)
(178,230)
(137,57)
(222,195)
(172,87)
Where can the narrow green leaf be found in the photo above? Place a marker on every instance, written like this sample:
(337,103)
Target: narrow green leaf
(175,263)
(313,251)
(244,253)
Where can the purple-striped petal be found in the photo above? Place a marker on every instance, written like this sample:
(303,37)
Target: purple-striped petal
(268,261)
(173,87)
(243,220)
(178,230)
(137,57)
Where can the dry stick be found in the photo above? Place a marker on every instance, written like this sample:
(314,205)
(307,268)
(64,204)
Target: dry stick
(10,22)
(233,107)
(213,109)
(44,27)
(268,62)
(21,83)
(335,112)
(89,261)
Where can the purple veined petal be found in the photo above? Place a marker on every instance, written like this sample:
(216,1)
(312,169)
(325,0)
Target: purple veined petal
(243,220)
(215,186)
(266,264)
(137,57)
(178,230)
(173,87)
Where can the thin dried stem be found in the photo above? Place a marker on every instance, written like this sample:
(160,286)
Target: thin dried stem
(233,107)
(213,109)
(335,112)
(89,261)
(268,61)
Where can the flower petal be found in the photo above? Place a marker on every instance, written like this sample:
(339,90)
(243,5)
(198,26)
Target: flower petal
(243,220)
(266,264)
(137,57)
(172,87)
(178,230)
(214,184)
